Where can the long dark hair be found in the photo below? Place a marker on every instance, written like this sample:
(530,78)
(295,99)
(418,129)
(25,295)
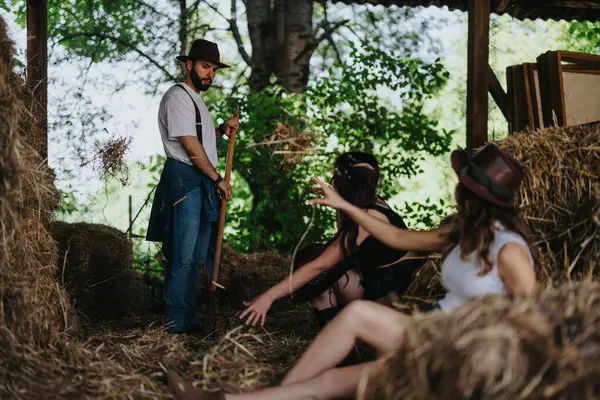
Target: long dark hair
(474,226)
(355,177)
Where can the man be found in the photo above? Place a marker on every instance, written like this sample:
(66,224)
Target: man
(185,204)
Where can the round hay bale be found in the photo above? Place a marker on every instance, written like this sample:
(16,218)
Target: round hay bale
(96,268)
(245,276)
(490,349)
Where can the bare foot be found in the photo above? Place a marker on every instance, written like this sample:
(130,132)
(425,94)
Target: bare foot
(184,390)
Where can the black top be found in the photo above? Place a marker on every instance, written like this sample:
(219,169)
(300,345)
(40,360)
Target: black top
(372,254)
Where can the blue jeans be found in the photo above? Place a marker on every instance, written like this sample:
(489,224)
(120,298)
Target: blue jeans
(189,251)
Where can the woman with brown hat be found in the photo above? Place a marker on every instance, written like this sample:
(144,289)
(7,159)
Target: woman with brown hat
(492,256)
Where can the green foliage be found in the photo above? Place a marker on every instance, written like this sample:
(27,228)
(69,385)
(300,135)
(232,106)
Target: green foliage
(585,35)
(342,112)
(425,215)
(98,29)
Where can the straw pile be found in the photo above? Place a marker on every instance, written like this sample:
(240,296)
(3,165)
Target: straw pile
(574,310)
(292,145)
(490,349)
(561,197)
(494,348)
(27,253)
(246,359)
(97,270)
(245,276)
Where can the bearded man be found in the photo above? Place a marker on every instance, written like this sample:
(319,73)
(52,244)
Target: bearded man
(185,204)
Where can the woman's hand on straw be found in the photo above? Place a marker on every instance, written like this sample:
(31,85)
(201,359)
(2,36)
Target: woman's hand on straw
(330,198)
(257,309)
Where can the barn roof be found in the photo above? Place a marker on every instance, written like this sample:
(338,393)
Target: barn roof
(580,10)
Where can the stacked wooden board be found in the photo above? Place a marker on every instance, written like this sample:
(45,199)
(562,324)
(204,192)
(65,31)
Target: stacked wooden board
(562,88)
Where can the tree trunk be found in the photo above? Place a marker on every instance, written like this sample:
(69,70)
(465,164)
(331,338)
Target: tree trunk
(261,28)
(298,45)
(281,33)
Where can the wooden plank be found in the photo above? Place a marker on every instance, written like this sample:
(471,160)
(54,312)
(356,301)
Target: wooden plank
(582,59)
(527,99)
(536,107)
(477,72)
(521,110)
(37,66)
(510,96)
(497,92)
(552,90)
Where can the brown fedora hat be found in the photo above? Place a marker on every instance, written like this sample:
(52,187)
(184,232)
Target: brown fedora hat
(491,174)
(203,50)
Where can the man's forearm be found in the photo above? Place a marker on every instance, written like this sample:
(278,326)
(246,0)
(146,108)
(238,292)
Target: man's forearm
(197,154)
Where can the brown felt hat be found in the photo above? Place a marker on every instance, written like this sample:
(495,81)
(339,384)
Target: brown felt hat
(203,50)
(491,174)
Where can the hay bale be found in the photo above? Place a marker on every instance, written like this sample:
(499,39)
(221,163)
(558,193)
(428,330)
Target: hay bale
(96,268)
(245,276)
(490,349)
(574,310)
(27,253)
(560,197)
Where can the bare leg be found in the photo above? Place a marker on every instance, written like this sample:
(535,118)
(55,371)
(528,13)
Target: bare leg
(334,383)
(376,325)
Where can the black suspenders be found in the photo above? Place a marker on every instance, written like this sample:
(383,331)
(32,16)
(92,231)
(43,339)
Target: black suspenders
(198,117)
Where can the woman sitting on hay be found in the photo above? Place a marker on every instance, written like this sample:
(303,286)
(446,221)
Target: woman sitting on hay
(492,257)
(332,275)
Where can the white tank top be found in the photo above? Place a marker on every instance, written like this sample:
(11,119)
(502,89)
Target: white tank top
(461,280)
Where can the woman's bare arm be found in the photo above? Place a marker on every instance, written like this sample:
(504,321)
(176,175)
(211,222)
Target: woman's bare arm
(402,239)
(515,269)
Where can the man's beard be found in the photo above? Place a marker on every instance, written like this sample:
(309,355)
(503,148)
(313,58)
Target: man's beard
(198,82)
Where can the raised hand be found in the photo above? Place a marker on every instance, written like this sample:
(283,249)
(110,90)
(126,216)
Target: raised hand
(330,198)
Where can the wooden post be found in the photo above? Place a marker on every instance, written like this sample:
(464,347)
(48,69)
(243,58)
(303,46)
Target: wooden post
(477,72)
(37,66)
(497,92)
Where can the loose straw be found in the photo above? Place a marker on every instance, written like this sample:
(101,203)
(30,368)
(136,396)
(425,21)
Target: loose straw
(310,223)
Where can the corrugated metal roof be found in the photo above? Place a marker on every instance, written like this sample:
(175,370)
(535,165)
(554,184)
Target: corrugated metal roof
(579,10)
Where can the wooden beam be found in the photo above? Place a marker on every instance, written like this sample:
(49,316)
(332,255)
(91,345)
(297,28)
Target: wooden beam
(37,67)
(497,92)
(477,72)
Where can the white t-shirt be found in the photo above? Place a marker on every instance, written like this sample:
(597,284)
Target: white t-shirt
(461,278)
(177,117)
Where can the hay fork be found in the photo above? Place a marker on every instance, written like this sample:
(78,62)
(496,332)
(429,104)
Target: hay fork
(213,284)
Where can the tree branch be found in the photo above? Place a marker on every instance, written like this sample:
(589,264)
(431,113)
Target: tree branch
(183,26)
(328,30)
(153,9)
(236,33)
(123,43)
(215,9)
(330,37)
